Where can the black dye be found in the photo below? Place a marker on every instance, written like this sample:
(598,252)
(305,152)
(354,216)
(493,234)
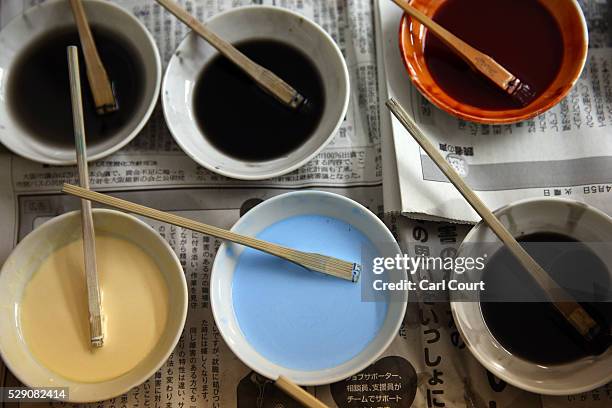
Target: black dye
(39,87)
(242,120)
(535,331)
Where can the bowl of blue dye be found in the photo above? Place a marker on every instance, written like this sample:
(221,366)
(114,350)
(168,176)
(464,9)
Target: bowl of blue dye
(282,319)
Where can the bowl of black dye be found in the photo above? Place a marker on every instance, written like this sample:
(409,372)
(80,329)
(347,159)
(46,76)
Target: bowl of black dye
(226,123)
(35,107)
(510,327)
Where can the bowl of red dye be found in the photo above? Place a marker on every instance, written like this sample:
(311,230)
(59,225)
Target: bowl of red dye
(542,42)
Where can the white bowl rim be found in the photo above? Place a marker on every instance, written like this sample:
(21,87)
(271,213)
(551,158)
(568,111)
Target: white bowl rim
(147,114)
(482,358)
(392,333)
(306,159)
(18,373)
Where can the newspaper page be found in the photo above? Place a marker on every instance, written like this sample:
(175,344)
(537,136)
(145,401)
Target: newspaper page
(154,160)
(426,366)
(565,152)
(451,375)
(152,170)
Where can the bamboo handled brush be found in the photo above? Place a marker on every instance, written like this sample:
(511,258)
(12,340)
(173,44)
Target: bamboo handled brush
(479,61)
(100,84)
(573,312)
(316,262)
(265,78)
(89,244)
(298,393)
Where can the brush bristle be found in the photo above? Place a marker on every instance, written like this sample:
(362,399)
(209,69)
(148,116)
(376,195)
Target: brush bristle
(521,92)
(96,331)
(356,273)
(305,106)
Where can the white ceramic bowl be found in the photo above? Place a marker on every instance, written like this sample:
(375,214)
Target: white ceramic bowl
(24,261)
(247,23)
(53,14)
(274,210)
(566,217)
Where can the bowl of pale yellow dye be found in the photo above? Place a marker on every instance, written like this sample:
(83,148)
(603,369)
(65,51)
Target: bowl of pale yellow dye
(44,329)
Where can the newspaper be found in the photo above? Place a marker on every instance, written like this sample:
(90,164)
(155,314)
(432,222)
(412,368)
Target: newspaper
(426,366)
(565,152)
(154,160)
(451,377)
(152,170)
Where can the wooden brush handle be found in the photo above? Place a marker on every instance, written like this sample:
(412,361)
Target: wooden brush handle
(99,82)
(317,262)
(570,309)
(478,60)
(298,393)
(268,80)
(89,243)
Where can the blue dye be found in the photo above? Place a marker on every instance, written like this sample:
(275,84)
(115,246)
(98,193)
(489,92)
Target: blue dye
(301,319)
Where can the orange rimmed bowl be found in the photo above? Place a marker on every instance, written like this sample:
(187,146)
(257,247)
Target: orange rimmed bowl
(572,24)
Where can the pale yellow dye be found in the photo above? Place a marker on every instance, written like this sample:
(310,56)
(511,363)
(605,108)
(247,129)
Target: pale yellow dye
(55,319)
